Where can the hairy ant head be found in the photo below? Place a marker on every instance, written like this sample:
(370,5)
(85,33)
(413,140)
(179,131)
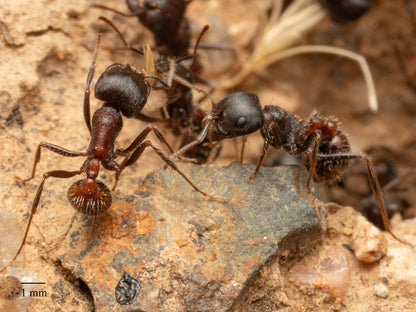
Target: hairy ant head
(120,84)
(90,197)
(237,114)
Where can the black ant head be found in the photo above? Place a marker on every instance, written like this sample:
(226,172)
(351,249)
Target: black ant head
(124,88)
(237,114)
(162,16)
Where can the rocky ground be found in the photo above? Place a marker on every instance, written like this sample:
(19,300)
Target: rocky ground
(46,51)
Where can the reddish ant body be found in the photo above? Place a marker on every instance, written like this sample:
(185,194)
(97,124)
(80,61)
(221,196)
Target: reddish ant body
(324,148)
(123,91)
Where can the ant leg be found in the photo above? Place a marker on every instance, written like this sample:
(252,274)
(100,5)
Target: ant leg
(260,161)
(139,139)
(54,148)
(312,149)
(55,174)
(138,152)
(197,141)
(87,110)
(106,20)
(243,145)
(375,184)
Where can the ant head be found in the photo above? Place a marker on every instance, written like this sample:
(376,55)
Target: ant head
(124,88)
(161,15)
(90,197)
(237,114)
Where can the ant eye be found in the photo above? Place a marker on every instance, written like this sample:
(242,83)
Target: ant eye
(241,122)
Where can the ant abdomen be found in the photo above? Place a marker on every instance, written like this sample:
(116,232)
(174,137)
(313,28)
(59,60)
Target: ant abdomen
(93,203)
(121,84)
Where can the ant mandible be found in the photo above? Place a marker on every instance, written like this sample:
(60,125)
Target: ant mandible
(165,19)
(121,89)
(324,148)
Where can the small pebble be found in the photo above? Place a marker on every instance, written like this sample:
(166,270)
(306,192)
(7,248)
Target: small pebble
(347,231)
(367,241)
(381,291)
(127,289)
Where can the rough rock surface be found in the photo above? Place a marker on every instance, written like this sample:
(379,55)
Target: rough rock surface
(190,253)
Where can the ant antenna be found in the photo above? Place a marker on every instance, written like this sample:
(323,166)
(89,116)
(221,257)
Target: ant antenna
(175,77)
(195,66)
(106,20)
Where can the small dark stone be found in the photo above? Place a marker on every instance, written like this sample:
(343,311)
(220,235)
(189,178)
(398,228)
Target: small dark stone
(127,289)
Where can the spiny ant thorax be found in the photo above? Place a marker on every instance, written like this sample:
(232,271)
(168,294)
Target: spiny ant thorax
(283,129)
(332,141)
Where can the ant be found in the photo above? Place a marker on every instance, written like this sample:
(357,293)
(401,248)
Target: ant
(322,145)
(121,89)
(176,79)
(346,10)
(165,19)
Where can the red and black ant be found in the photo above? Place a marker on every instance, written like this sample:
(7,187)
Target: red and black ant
(177,80)
(165,19)
(121,89)
(322,145)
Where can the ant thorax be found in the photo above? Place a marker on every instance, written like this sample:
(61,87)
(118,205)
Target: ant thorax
(331,141)
(282,129)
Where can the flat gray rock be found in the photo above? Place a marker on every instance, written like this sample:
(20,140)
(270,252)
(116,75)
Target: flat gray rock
(187,253)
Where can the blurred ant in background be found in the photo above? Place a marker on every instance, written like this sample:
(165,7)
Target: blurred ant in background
(354,189)
(346,10)
(124,92)
(165,19)
(176,79)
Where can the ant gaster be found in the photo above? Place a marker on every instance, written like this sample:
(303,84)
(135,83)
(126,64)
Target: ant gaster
(165,19)
(324,148)
(121,89)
